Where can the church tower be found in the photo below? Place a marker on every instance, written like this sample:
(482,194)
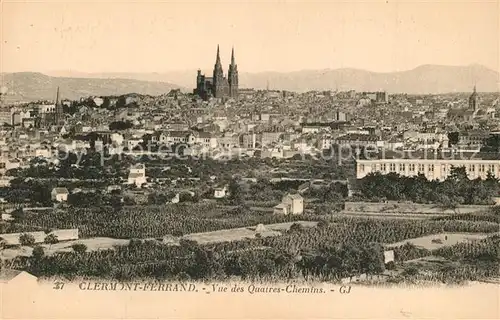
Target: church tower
(474,100)
(219,82)
(59,117)
(232,76)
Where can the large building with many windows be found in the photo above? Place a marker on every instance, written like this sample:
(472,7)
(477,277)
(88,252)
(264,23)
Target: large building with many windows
(432,166)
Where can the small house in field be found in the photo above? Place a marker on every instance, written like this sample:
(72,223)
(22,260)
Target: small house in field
(137,175)
(220,193)
(290,204)
(59,194)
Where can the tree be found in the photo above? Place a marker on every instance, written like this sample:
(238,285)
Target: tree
(120,125)
(491,144)
(235,192)
(296,227)
(26,239)
(323,209)
(390,265)
(51,239)
(458,174)
(18,214)
(453,138)
(38,253)
(410,271)
(79,248)
(121,102)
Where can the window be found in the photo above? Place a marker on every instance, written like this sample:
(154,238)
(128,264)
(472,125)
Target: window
(431,168)
(481,168)
(472,168)
(362,167)
(421,168)
(382,167)
(401,167)
(392,167)
(412,167)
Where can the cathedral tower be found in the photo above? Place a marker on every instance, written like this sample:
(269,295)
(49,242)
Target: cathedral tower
(232,76)
(219,81)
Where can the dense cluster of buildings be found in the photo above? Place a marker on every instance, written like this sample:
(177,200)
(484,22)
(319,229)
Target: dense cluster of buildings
(35,115)
(219,120)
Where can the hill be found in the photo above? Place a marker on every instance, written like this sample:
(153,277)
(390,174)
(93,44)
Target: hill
(30,86)
(423,79)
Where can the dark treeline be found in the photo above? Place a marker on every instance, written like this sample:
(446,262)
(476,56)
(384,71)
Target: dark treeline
(456,189)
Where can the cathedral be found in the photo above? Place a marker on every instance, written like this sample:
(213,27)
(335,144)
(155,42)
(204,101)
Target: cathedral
(218,86)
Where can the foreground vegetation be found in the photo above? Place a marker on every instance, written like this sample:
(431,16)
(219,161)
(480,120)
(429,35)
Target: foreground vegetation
(342,247)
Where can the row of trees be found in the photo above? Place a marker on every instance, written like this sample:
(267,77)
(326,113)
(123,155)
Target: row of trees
(456,189)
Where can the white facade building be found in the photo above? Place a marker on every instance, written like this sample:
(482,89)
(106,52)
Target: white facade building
(290,204)
(433,169)
(137,175)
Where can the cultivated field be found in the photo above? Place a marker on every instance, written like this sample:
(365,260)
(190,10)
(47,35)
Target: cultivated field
(93,244)
(440,240)
(238,234)
(104,243)
(416,208)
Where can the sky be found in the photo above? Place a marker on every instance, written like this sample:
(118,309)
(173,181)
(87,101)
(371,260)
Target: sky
(148,36)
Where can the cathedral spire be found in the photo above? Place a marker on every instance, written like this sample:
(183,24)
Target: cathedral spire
(232,56)
(217,60)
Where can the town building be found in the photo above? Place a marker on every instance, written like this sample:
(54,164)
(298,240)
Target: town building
(137,175)
(290,204)
(59,194)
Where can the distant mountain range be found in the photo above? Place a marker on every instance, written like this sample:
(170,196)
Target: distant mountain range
(421,80)
(31,86)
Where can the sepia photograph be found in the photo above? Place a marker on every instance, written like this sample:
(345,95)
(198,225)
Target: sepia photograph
(252,156)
